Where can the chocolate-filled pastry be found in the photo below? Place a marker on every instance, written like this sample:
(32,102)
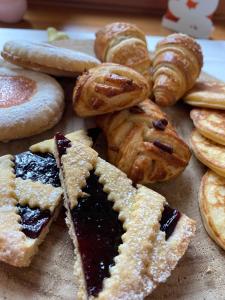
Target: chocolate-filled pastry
(177,64)
(143,143)
(127,240)
(125,44)
(108,88)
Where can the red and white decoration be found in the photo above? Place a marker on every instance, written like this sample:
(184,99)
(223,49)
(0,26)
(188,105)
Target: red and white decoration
(192,17)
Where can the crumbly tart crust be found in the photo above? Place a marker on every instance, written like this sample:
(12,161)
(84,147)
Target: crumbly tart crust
(145,257)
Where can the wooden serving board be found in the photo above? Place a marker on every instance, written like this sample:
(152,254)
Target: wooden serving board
(199,275)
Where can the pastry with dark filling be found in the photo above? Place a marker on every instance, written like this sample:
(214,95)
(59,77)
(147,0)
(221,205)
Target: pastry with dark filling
(127,239)
(144,144)
(30,196)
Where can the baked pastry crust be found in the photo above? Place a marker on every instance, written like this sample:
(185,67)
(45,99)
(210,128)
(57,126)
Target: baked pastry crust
(107,88)
(212,203)
(47,58)
(145,257)
(143,143)
(209,153)
(177,64)
(209,94)
(210,123)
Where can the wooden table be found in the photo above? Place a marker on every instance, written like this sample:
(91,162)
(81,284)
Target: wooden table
(43,16)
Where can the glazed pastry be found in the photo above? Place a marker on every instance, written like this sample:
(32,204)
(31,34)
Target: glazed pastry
(212,206)
(30,102)
(47,58)
(143,143)
(177,64)
(30,197)
(210,123)
(108,88)
(124,44)
(209,94)
(138,239)
(209,153)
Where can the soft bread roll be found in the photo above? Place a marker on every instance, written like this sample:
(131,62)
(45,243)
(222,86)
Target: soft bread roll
(125,44)
(177,64)
(143,144)
(108,88)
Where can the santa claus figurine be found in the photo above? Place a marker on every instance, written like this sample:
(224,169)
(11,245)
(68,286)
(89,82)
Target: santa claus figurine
(12,11)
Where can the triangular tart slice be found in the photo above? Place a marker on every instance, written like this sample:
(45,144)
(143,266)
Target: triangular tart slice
(30,198)
(114,226)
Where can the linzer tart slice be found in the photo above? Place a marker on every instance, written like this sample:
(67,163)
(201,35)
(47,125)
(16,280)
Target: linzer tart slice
(127,239)
(30,195)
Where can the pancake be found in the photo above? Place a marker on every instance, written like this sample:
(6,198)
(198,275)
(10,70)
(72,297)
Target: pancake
(209,153)
(30,103)
(209,94)
(210,123)
(212,206)
(48,58)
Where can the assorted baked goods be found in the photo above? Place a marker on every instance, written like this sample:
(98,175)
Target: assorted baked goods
(47,58)
(30,102)
(143,143)
(177,63)
(209,94)
(107,88)
(105,209)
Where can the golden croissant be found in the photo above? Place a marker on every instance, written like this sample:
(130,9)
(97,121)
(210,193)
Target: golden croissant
(177,64)
(107,88)
(143,143)
(125,44)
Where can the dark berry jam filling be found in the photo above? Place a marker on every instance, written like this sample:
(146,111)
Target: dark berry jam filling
(62,144)
(37,167)
(160,124)
(33,220)
(163,147)
(98,231)
(170,217)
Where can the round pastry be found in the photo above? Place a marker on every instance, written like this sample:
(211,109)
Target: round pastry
(30,103)
(143,143)
(48,58)
(108,88)
(209,94)
(212,206)
(209,153)
(210,123)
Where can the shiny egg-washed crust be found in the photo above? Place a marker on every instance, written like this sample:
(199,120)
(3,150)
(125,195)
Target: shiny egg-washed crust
(47,146)
(209,94)
(15,247)
(108,88)
(212,206)
(124,44)
(210,123)
(139,266)
(47,58)
(177,64)
(209,153)
(131,136)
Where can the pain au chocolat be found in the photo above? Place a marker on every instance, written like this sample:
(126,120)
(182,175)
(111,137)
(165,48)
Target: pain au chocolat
(127,239)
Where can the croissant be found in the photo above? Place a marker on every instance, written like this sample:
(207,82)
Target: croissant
(108,88)
(143,143)
(177,63)
(125,44)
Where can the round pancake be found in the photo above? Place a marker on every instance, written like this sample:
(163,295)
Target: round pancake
(210,123)
(209,94)
(48,58)
(30,103)
(209,153)
(212,206)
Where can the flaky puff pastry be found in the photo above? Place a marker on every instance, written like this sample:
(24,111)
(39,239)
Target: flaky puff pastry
(143,144)
(177,64)
(125,44)
(107,88)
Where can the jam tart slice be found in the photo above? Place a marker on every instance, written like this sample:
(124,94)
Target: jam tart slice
(30,196)
(117,229)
